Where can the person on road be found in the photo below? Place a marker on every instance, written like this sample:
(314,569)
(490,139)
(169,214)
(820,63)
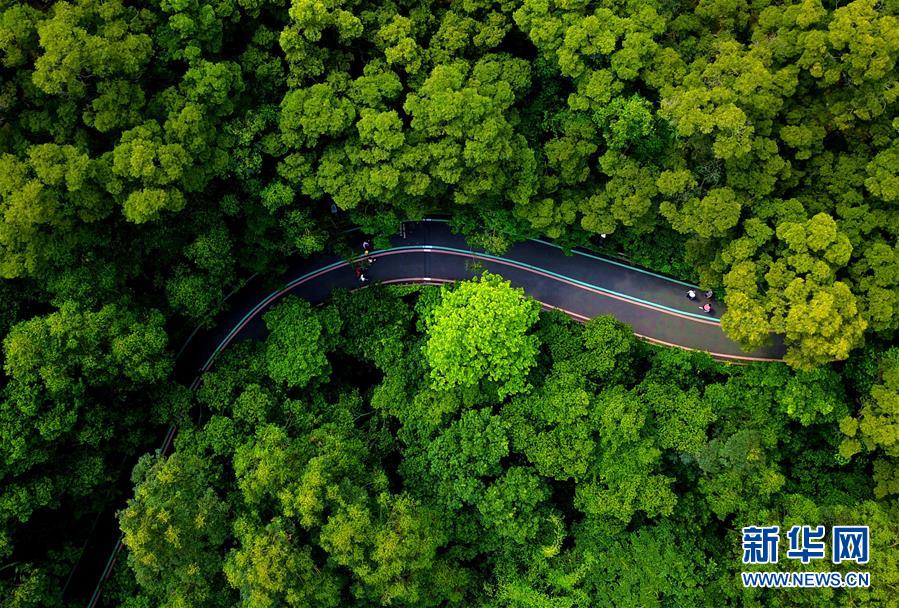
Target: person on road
(360,273)
(366,249)
(706,308)
(710,295)
(691,294)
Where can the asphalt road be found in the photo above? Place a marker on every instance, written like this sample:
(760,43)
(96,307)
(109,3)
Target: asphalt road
(580,284)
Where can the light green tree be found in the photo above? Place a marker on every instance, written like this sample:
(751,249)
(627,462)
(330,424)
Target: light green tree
(479,332)
(175,528)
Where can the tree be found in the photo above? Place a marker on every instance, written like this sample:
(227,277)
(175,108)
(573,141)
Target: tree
(712,215)
(466,453)
(511,505)
(141,155)
(198,286)
(875,428)
(39,197)
(740,465)
(308,114)
(805,301)
(460,129)
(626,460)
(654,565)
(479,333)
(175,528)
(270,570)
(89,38)
(551,426)
(52,353)
(300,337)
(61,367)
(682,417)
(626,199)
(393,550)
(629,125)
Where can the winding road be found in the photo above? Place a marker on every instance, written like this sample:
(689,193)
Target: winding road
(580,284)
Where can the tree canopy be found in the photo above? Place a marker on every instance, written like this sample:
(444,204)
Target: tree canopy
(620,474)
(478,333)
(157,156)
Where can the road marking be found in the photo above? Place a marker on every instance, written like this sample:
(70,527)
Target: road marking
(452,251)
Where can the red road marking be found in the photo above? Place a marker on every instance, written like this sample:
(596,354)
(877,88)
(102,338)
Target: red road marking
(315,275)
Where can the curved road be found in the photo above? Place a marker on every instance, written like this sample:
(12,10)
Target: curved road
(582,285)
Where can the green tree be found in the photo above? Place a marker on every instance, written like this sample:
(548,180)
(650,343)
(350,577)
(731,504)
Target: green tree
(393,550)
(463,455)
(623,479)
(805,300)
(89,39)
(876,428)
(462,130)
(175,528)
(300,337)
(511,505)
(269,569)
(479,333)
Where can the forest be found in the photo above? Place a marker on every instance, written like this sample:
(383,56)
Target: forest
(156,155)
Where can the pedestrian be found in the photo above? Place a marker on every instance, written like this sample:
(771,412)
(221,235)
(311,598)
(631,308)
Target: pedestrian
(366,246)
(710,295)
(706,308)
(360,273)
(691,294)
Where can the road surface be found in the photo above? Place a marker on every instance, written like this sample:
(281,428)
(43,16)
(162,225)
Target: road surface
(581,284)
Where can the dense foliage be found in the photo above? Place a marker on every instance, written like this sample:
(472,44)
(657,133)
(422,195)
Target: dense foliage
(153,155)
(183,143)
(618,476)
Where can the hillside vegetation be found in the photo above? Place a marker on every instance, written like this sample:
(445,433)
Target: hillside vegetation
(155,154)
